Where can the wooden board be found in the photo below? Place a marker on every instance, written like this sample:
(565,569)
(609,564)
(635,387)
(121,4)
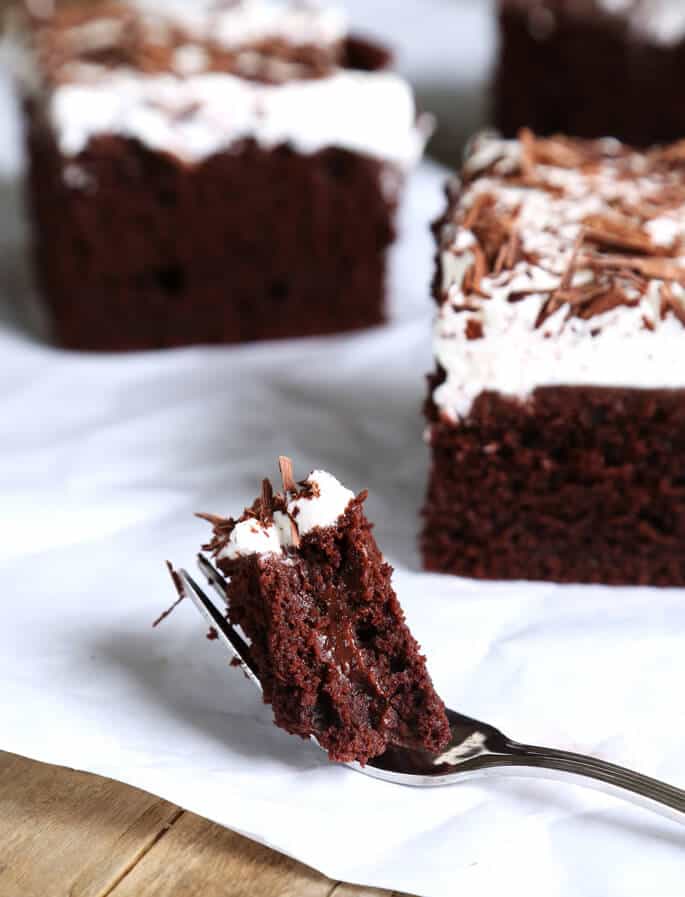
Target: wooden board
(69,834)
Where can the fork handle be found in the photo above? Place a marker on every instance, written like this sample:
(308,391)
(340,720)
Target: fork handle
(643,790)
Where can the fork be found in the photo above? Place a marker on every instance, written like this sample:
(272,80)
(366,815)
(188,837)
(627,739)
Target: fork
(475,750)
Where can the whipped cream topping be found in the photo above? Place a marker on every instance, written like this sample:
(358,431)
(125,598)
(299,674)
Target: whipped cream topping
(193,109)
(588,287)
(325,501)
(249,21)
(193,117)
(252,537)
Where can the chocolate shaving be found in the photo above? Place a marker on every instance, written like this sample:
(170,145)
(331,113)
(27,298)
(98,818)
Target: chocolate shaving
(286,467)
(520,295)
(550,307)
(480,268)
(59,42)
(180,590)
(604,302)
(533,182)
(669,302)
(464,307)
(472,278)
(567,279)
(214,519)
(474,329)
(527,141)
(501,260)
(616,232)
(266,501)
(559,152)
(582,295)
(655,268)
(613,247)
(513,249)
(295,533)
(483,201)
(223,527)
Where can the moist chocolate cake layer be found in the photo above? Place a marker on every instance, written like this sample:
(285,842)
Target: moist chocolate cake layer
(251,244)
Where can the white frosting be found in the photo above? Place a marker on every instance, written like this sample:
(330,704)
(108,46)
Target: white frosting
(616,348)
(372,113)
(251,21)
(252,537)
(322,509)
(193,113)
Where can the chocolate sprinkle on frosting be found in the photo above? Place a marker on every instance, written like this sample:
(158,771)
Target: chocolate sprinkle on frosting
(120,35)
(611,253)
(561,262)
(286,468)
(264,508)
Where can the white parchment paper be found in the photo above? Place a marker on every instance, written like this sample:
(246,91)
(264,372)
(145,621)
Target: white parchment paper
(103,461)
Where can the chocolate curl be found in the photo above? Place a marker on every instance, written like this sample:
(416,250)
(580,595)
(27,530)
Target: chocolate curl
(267,499)
(294,533)
(617,232)
(567,279)
(286,467)
(180,589)
(289,485)
(659,268)
(214,519)
(513,248)
(483,201)
(669,302)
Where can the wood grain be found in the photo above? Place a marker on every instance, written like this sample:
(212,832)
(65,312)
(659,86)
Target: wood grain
(69,834)
(63,832)
(199,859)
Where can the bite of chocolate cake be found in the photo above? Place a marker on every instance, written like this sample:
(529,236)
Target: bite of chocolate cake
(556,414)
(312,592)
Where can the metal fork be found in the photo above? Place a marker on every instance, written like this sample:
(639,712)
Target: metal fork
(476,749)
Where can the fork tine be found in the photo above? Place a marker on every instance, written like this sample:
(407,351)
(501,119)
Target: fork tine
(214,578)
(227,634)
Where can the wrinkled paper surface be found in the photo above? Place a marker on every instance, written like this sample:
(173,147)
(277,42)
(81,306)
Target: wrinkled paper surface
(103,461)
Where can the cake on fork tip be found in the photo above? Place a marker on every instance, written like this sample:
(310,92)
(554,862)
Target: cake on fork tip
(310,588)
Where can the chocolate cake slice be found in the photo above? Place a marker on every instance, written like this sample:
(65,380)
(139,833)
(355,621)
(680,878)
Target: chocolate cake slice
(557,408)
(309,587)
(225,150)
